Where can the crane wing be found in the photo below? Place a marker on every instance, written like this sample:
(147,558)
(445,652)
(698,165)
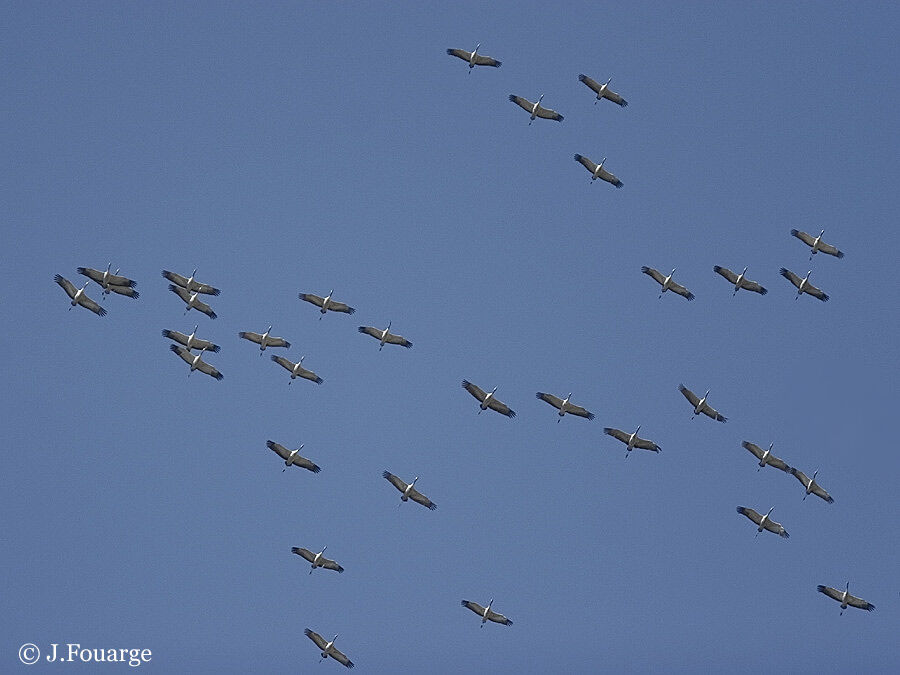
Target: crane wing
(331,565)
(460,54)
(417,496)
(689,395)
(498,618)
(309,375)
(778,463)
(370,330)
(523,103)
(645,444)
(750,513)
(709,411)
(853,601)
(657,277)
(175,335)
(128,291)
(395,481)
(777,528)
(615,98)
(725,272)
(340,307)
(305,553)
(618,434)
(185,354)
(579,411)
(799,475)
(66,285)
(586,163)
(487,61)
(284,363)
(804,237)
(501,407)
(753,286)
(475,390)
(790,276)
(253,337)
(819,491)
(830,250)
(816,292)
(394,339)
(204,288)
(304,463)
(315,637)
(91,273)
(180,292)
(340,657)
(314,299)
(277,342)
(833,593)
(754,448)
(555,401)
(548,114)
(474,606)
(87,303)
(610,178)
(279,449)
(681,290)
(209,369)
(590,82)
(175,278)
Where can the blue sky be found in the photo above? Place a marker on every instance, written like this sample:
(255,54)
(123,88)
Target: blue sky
(304,147)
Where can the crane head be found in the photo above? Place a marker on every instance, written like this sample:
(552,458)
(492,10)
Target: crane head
(770,511)
(540,98)
(108,266)
(706,394)
(414,480)
(490,602)
(476,47)
(493,390)
(389,325)
(821,233)
(600,166)
(744,272)
(194,272)
(638,429)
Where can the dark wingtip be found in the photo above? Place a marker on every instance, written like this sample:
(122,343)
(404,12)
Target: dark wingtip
(690,296)
(582,77)
(174,348)
(215,291)
(618,183)
(134,295)
(351,310)
(307,632)
(316,469)
(645,269)
(270,445)
(763,290)
(829,499)
(58,277)
(166,332)
(361,329)
(795,232)
(408,344)
(784,535)
(840,254)
(219,376)
(465,603)
(386,474)
(825,297)
(721,418)
(512,97)
(466,384)
(173,288)
(295,549)
(215,348)
(166,274)
(590,416)
(820,588)
(539,395)
(623,103)
(784,272)
(432,506)
(559,118)
(511,414)
(318,380)
(870,607)
(741,510)
(101,311)
(287,345)
(717,268)
(213,315)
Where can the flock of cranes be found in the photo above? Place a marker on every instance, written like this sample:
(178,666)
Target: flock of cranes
(191,349)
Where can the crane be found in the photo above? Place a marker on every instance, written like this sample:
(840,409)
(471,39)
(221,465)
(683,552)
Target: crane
(597,170)
(110,281)
(766,457)
(78,296)
(192,300)
(189,283)
(535,109)
(764,522)
(845,598)
(473,58)
(317,559)
(325,304)
(811,486)
(631,440)
(803,285)
(602,90)
(292,457)
(195,361)
(190,341)
(385,336)
(327,648)
(297,369)
(739,280)
(700,404)
(488,400)
(667,283)
(264,340)
(486,613)
(409,491)
(816,244)
(563,406)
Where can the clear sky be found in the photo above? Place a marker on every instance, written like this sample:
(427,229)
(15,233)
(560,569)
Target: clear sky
(292,147)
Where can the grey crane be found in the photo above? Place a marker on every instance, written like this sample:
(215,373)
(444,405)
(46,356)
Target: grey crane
(700,404)
(189,283)
(297,369)
(78,296)
(195,361)
(803,285)
(535,109)
(816,244)
(739,280)
(631,441)
(764,522)
(317,559)
(597,170)
(487,400)
(327,648)
(811,486)
(385,336)
(264,339)
(602,90)
(292,457)
(845,598)
(486,613)
(326,304)
(192,301)
(190,341)
(667,283)
(473,58)
(408,490)
(766,457)
(563,406)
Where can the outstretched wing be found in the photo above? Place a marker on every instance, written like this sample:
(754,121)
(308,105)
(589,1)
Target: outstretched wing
(331,565)
(725,272)
(283,362)
(689,395)
(645,444)
(819,491)
(754,448)
(709,411)
(208,368)
(777,528)
(87,303)
(657,277)
(175,278)
(555,401)
(832,593)
(277,342)
(314,299)
(523,103)
(799,475)
(750,513)
(460,54)
(617,434)
(816,292)
(394,339)
(681,290)
(395,481)
(340,657)
(579,411)
(586,163)
(304,463)
(417,496)
(315,637)
(278,448)
(548,114)
(487,61)
(754,286)
(790,276)
(501,407)
(475,390)
(128,291)
(175,335)
(66,285)
(304,553)
(804,237)
(340,307)
(498,618)
(778,463)
(590,82)
(253,337)
(370,330)
(615,98)
(474,606)
(853,601)
(610,177)
(830,250)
